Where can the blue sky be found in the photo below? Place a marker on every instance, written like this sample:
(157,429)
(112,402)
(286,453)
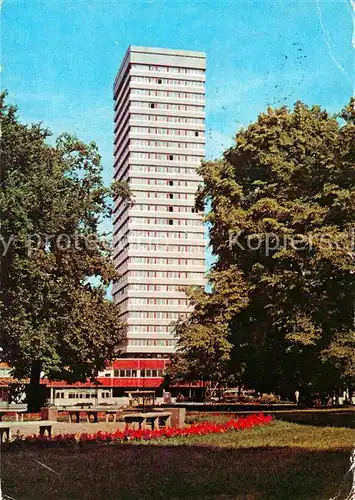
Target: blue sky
(59,58)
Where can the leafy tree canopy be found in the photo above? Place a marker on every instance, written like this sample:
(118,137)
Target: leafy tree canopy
(55,263)
(281,212)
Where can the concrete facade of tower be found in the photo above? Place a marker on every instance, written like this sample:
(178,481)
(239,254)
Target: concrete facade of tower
(159,239)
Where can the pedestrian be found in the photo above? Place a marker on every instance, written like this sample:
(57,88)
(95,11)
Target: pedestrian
(297,396)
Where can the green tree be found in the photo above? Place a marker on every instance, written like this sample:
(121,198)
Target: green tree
(203,338)
(281,211)
(55,263)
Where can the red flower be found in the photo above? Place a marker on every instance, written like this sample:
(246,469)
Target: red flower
(119,436)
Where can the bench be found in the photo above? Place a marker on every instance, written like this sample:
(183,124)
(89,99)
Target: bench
(74,415)
(5,431)
(113,413)
(154,419)
(18,414)
(45,429)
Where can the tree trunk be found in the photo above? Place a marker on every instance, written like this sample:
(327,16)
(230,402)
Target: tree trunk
(34,391)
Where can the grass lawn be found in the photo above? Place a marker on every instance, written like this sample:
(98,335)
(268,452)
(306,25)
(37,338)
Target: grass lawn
(280,461)
(336,417)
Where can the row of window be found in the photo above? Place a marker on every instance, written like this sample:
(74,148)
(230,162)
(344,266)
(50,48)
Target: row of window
(137,155)
(157,208)
(167,131)
(166,81)
(166,144)
(165,235)
(169,196)
(168,106)
(146,143)
(143,287)
(165,274)
(167,69)
(165,248)
(163,170)
(135,373)
(162,208)
(80,395)
(166,196)
(159,118)
(152,342)
(153,247)
(160,221)
(152,274)
(150,328)
(143,235)
(121,115)
(171,94)
(162,261)
(146,301)
(166,261)
(151,315)
(163,182)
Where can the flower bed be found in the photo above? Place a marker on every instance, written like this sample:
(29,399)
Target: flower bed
(120,436)
(10,416)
